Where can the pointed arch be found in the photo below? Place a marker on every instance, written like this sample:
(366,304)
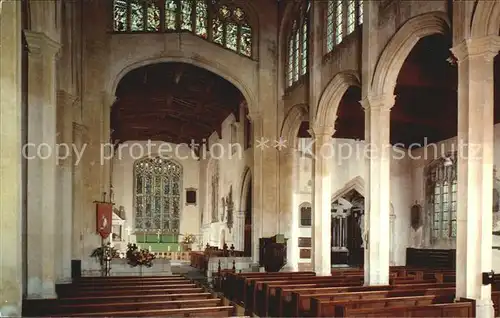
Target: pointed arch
(357,183)
(329,101)
(486,19)
(246,181)
(291,124)
(399,47)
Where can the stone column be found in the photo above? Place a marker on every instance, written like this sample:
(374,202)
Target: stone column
(240,230)
(289,219)
(475,169)
(377,225)
(78,169)
(65,182)
(10,160)
(42,93)
(322,196)
(257,182)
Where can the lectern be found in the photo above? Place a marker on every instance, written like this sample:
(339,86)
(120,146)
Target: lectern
(272,252)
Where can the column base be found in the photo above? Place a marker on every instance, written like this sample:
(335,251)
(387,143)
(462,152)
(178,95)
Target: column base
(8,310)
(484,308)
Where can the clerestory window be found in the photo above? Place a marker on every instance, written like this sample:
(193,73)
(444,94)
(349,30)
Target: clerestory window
(219,22)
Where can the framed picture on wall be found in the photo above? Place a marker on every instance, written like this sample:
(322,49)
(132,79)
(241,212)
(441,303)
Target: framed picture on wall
(190,196)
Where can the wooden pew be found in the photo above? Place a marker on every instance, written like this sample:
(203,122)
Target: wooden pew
(299,302)
(139,306)
(160,291)
(138,287)
(219,311)
(464,308)
(132,298)
(235,282)
(265,292)
(321,308)
(255,287)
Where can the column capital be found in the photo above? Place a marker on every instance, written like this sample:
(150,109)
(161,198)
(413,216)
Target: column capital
(255,115)
(40,44)
(321,131)
(487,47)
(380,102)
(81,129)
(66,97)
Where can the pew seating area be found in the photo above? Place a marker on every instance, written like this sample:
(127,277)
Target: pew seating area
(412,292)
(114,296)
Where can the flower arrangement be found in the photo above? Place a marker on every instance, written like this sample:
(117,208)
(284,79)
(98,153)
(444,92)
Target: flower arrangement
(105,253)
(139,257)
(188,239)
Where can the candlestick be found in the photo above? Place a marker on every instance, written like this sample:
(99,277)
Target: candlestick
(149,248)
(168,248)
(178,248)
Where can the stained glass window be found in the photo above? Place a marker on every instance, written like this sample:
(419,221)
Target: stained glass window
(297,45)
(186,15)
(120,15)
(157,195)
(330,26)
(137,15)
(360,12)
(201,18)
(338,22)
(228,24)
(153,21)
(170,14)
(351,16)
(341,18)
(442,187)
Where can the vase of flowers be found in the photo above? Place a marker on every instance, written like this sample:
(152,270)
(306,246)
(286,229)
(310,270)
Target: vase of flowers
(104,254)
(139,257)
(187,241)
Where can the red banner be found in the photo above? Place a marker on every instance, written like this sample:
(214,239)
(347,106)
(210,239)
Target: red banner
(104,219)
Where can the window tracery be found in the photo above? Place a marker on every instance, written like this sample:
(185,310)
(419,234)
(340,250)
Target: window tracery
(157,195)
(341,19)
(442,198)
(298,45)
(219,22)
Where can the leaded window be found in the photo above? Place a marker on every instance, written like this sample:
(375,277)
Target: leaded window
(214,188)
(341,19)
(222,23)
(305,215)
(157,195)
(442,198)
(297,45)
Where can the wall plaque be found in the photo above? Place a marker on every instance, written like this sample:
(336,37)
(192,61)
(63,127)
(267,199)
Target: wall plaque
(416,216)
(190,196)
(305,242)
(305,253)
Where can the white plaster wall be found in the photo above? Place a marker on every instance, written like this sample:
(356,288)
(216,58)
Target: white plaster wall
(123,179)
(231,173)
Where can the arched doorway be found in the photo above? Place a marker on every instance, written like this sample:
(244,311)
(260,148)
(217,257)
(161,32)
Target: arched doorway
(247,238)
(347,229)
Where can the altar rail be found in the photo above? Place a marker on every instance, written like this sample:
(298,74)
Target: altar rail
(175,256)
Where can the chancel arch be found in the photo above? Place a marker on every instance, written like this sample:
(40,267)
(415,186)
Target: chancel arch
(157,196)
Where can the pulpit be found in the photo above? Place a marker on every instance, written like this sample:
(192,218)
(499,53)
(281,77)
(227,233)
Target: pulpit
(272,252)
